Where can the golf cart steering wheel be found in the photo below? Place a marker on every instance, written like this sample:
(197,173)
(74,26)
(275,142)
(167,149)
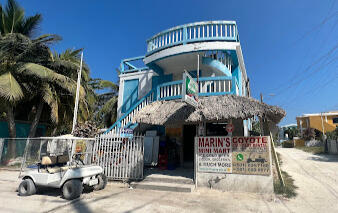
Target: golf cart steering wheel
(77,158)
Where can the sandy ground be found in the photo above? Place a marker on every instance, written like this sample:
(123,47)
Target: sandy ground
(316,177)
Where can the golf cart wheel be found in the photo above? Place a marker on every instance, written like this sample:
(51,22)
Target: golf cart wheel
(72,189)
(102,182)
(27,187)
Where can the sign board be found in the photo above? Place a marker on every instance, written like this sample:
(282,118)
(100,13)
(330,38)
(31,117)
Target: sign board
(127,131)
(251,155)
(214,154)
(230,128)
(236,155)
(190,90)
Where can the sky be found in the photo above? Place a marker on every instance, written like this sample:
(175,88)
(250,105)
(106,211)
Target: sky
(289,47)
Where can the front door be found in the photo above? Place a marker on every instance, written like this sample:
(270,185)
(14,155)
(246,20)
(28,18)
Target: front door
(130,94)
(189,134)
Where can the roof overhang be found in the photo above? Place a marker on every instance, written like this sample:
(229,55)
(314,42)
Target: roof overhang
(210,109)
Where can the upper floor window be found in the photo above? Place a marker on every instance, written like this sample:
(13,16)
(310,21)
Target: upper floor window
(335,120)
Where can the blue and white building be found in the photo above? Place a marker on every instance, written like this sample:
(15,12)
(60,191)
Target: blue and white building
(171,52)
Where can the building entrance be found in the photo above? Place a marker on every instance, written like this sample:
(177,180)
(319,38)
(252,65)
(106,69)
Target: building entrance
(189,134)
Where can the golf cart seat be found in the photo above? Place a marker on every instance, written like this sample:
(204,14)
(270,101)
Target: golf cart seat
(53,162)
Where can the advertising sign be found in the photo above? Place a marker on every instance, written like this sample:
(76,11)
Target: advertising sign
(190,90)
(237,155)
(214,154)
(251,155)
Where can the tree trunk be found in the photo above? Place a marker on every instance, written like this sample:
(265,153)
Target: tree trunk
(36,120)
(54,131)
(12,133)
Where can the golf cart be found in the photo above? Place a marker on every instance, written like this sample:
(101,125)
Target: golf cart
(64,163)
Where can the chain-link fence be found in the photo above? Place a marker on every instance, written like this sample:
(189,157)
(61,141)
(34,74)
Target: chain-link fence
(14,151)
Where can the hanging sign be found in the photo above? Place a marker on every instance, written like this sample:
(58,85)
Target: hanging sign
(190,90)
(230,128)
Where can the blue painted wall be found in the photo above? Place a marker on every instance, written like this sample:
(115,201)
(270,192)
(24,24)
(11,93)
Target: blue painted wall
(216,64)
(157,80)
(237,73)
(130,94)
(22,131)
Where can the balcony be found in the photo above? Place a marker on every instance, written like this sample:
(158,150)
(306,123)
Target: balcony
(195,32)
(208,86)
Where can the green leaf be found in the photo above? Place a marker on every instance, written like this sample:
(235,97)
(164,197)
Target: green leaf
(10,89)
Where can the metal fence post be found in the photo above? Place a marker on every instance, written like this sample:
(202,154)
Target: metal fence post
(2,141)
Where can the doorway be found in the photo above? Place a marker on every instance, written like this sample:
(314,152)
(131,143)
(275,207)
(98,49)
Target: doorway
(189,134)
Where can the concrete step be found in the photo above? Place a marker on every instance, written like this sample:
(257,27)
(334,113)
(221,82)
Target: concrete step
(168,179)
(163,186)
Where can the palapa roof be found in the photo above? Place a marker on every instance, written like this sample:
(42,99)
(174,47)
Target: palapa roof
(210,109)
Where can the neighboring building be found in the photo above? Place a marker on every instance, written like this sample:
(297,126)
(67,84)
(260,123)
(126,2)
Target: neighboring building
(169,54)
(323,122)
(282,135)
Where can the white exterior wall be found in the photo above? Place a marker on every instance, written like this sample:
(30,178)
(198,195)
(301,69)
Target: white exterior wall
(144,85)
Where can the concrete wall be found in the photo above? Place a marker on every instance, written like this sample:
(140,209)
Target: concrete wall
(332,146)
(236,182)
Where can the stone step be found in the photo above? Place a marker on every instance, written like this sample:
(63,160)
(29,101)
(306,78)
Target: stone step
(163,186)
(168,179)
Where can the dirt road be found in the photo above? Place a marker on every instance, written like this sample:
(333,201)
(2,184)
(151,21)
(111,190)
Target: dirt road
(316,177)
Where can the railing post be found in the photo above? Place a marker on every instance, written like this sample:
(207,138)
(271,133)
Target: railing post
(185,35)
(158,93)
(122,66)
(233,86)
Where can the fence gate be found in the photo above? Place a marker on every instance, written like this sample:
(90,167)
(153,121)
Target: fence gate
(121,157)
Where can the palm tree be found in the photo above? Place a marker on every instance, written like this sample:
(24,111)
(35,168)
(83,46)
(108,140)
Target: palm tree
(67,63)
(106,106)
(13,20)
(23,74)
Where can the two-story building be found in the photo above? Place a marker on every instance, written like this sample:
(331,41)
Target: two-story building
(213,48)
(210,52)
(173,51)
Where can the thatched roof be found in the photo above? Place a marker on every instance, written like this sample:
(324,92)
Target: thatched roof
(210,109)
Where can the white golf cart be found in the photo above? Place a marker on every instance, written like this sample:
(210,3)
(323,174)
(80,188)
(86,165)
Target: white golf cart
(64,163)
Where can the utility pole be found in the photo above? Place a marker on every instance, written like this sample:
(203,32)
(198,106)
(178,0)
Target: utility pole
(261,120)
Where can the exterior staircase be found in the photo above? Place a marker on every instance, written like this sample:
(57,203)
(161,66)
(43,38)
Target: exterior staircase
(125,121)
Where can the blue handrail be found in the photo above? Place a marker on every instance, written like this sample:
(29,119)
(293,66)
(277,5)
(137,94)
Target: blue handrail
(130,110)
(177,96)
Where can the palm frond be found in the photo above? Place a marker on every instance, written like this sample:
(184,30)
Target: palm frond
(13,20)
(50,98)
(10,90)
(109,85)
(47,39)
(30,24)
(41,72)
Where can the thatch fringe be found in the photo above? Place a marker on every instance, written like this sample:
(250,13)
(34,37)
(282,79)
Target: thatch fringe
(210,109)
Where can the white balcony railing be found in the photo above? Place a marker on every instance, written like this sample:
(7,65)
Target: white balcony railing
(199,31)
